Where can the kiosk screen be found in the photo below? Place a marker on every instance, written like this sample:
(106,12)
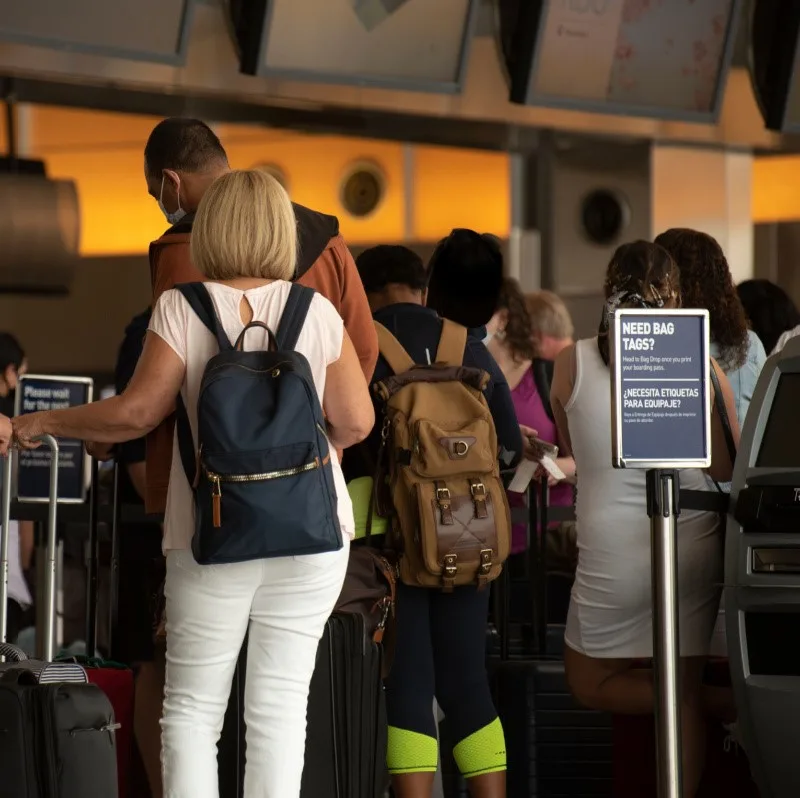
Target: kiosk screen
(780,446)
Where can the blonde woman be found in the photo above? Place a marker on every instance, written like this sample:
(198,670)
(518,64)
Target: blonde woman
(244,242)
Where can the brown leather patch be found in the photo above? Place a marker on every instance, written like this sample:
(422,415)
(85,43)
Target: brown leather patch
(468,533)
(457,448)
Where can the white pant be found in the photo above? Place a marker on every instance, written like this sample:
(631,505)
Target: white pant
(286,602)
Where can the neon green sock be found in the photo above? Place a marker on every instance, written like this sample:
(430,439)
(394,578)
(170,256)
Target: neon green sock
(484,751)
(411,752)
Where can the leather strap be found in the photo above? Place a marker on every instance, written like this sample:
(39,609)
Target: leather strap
(392,351)
(452,343)
(722,412)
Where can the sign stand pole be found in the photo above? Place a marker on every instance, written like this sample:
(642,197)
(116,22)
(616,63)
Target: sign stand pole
(663,490)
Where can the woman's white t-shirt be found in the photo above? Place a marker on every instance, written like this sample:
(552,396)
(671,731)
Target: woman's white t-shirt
(176,323)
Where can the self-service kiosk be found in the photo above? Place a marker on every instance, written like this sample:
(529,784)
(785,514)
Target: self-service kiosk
(762,577)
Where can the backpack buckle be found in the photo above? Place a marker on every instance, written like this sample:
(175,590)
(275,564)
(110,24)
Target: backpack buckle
(478,491)
(443,501)
(485,568)
(449,572)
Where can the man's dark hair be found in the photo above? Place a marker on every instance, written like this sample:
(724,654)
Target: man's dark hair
(184,145)
(388,264)
(11,353)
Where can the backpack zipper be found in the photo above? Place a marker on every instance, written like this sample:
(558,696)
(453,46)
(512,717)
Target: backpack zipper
(217,480)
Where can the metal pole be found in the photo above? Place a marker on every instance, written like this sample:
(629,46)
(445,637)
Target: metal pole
(5,522)
(48,644)
(662,487)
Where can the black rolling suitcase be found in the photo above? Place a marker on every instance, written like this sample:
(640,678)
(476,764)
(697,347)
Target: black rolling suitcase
(56,731)
(346,736)
(555,747)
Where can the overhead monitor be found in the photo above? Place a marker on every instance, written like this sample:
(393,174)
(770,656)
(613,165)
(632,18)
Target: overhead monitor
(659,59)
(780,444)
(775,63)
(412,45)
(142,30)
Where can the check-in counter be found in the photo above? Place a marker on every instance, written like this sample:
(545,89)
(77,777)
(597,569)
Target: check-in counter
(762,578)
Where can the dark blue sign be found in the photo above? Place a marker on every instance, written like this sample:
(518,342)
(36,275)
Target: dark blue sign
(661,396)
(36,393)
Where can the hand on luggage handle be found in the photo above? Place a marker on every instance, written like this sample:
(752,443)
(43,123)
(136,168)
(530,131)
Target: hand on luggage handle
(47,645)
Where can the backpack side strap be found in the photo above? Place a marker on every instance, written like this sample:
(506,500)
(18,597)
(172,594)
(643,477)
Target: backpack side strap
(196,294)
(392,350)
(452,343)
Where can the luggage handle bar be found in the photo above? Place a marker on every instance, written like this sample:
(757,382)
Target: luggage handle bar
(46,646)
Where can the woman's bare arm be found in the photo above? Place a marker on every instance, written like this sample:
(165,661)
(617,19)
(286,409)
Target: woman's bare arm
(347,404)
(146,402)
(560,393)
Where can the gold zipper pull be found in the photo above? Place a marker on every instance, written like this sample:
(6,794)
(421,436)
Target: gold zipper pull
(216,500)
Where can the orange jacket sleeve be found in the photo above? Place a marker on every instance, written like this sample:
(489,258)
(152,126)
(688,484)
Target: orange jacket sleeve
(355,310)
(171,264)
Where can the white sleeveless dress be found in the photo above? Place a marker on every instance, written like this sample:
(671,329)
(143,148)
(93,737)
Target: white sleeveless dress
(610,613)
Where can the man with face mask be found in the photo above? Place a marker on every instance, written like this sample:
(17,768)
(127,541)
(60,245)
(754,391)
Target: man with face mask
(183,157)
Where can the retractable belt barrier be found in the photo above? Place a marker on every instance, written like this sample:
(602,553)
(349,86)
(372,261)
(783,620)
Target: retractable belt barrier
(709,501)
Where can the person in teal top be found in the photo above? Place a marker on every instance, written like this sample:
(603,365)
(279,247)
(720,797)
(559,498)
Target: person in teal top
(706,282)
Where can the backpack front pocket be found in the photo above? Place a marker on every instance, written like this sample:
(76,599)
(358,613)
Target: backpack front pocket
(265,504)
(440,452)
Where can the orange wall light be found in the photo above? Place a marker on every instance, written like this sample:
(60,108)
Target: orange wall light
(776,189)
(460,188)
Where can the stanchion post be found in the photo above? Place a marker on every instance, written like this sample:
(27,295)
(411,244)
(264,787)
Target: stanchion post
(663,490)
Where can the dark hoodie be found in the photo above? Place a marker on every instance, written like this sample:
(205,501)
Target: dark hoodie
(323,262)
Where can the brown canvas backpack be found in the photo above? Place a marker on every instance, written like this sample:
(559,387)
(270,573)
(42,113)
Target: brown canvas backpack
(450,522)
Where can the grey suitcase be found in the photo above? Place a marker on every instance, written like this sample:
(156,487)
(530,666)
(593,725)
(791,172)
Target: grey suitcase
(58,739)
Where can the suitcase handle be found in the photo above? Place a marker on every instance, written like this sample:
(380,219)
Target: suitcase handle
(12,653)
(47,645)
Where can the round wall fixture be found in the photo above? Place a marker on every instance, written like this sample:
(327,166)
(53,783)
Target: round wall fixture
(276,172)
(362,189)
(604,215)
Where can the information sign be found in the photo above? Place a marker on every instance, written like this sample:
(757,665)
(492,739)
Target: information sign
(660,389)
(37,392)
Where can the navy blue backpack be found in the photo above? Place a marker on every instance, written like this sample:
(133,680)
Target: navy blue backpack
(261,467)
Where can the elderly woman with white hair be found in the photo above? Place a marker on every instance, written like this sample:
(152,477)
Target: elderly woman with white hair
(244,241)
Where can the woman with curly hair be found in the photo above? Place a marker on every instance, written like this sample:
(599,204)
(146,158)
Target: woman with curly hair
(609,627)
(511,343)
(706,282)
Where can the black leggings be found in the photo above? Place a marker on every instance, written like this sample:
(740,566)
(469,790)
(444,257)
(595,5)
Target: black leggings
(441,652)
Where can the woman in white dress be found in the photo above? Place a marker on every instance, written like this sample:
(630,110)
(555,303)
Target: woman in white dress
(609,628)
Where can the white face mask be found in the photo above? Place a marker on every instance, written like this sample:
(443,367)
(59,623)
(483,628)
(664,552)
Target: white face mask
(176,216)
(489,336)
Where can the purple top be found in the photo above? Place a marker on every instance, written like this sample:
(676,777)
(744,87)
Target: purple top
(530,412)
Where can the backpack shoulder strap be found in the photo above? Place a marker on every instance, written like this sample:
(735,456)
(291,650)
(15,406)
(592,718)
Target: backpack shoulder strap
(294,316)
(186,447)
(543,379)
(452,343)
(196,294)
(392,350)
